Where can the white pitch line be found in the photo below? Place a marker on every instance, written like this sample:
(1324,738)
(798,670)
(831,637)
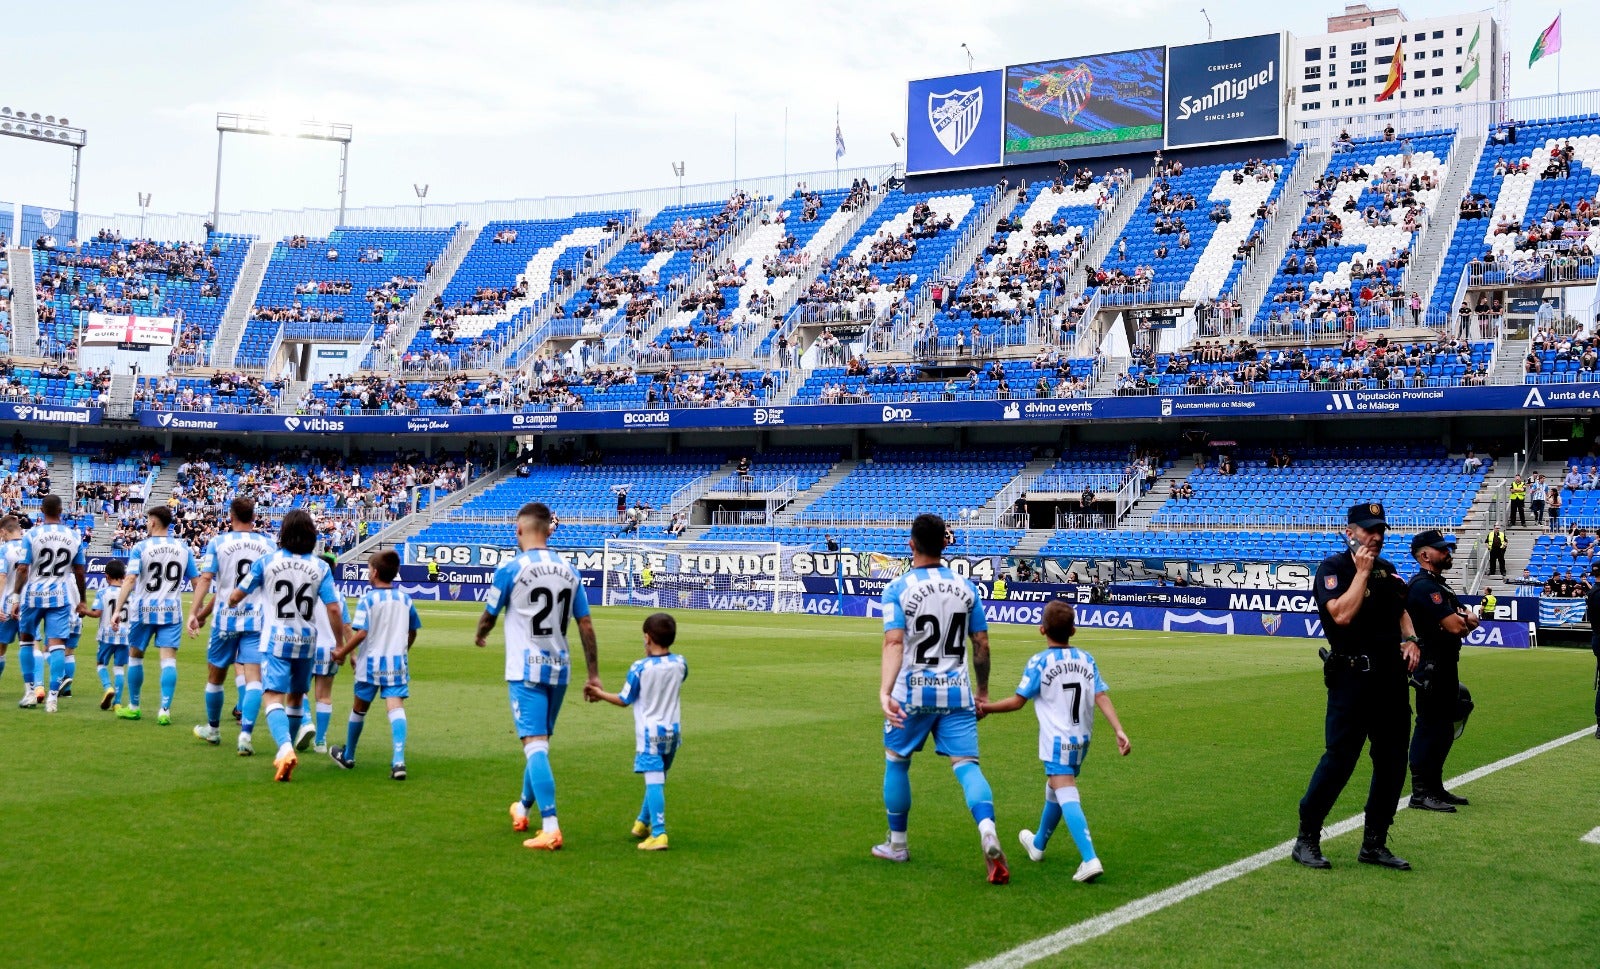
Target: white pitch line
(1042,948)
(1593,837)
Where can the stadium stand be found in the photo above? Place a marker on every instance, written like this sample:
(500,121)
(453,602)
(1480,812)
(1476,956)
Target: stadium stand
(1520,186)
(1346,262)
(1048,375)
(586,492)
(238,392)
(1214,368)
(900,483)
(354,279)
(853,538)
(138,277)
(54,384)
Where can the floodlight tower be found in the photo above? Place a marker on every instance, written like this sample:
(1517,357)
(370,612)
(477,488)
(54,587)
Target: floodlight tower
(51,130)
(249,124)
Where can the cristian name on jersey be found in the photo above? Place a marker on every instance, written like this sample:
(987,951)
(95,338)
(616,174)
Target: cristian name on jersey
(937,610)
(540,594)
(160,565)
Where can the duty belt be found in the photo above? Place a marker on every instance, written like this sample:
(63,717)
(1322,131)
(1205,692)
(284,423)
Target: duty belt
(1360,662)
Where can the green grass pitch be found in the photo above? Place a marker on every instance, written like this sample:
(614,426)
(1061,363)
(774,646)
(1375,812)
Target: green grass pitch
(131,844)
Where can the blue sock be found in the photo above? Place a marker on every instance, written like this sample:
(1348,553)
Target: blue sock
(1048,820)
(105,676)
(250,709)
(980,800)
(323,716)
(238,692)
(72,667)
(352,734)
(278,723)
(121,683)
(897,792)
(644,809)
(214,704)
(397,733)
(169,684)
(539,780)
(28,664)
(135,681)
(655,798)
(58,669)
(1077,824)
(2,664)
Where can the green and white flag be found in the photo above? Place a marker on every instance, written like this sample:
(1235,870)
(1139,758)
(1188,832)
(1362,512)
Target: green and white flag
(1470,76)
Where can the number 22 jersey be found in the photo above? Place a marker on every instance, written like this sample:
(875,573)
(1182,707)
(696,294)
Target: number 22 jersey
(540,594)
(937,610)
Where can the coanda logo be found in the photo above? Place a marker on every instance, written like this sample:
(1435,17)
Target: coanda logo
(647,417)
(312,424)
(893,414)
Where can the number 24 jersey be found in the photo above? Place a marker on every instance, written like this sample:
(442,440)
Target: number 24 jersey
(937,610)
(540,594)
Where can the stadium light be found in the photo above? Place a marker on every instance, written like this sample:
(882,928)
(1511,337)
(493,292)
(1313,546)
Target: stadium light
(678,168)
(51,130)
(1208,22)
(250,124)
(422,193)
(969,55)
(144,206)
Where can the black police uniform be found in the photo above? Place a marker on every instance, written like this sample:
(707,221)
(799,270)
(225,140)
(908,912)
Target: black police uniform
(1438,679)
(1592,603)
(1368,700)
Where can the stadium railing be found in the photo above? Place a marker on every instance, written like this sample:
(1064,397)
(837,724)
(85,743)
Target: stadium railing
(1203,521)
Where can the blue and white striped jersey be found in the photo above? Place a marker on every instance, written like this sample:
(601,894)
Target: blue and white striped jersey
(159,565)
(652,690)
(1062,682)
(388,616)
(228,558)
(294,588)
(11,555)
(937,610)
(540,594)
(50,550)
(325,643)
(110,609)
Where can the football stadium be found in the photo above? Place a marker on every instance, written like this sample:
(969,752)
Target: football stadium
(1188,382)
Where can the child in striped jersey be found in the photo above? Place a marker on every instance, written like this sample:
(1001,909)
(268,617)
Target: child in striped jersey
(652,691)
(1066,687)
(384,628)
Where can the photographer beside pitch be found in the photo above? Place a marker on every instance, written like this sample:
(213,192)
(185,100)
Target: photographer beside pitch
(1371,648)
(1442,702)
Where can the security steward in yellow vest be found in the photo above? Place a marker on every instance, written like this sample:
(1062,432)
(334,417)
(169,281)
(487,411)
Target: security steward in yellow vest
(1518,494)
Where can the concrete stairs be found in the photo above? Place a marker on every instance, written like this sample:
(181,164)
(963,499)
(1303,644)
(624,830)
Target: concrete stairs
(1108,231)
(225,345)
(1138,517)
(24,302)
(531,332)
(1105,385)
(1434,240)
(803,500)
(120,404)
(1251,286)
(396,534)
(289,397)
(1015,486)
(1032,543)
(1520,539)
(405,329)
(1508,362)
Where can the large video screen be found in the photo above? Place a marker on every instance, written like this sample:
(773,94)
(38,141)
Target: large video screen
(1085,105)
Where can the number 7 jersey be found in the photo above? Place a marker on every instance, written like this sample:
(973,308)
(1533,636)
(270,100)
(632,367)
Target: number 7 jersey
(539,593)
(1062,682)
(937,610)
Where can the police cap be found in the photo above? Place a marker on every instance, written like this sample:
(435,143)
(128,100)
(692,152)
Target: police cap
(1432,538)
(1368,515)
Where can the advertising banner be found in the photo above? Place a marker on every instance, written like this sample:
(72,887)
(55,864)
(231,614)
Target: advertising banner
(1081,106)
(39,221)
(1374,402)
(1225,91)
(49,414)
(955,122)
(149,331)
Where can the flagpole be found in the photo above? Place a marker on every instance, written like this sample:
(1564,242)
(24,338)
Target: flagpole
(836,145)
(785,183)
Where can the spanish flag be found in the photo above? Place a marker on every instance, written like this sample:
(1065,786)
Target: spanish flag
(1397,73)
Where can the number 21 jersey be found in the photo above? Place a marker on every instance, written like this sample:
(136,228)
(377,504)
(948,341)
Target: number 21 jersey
(937,610)
(540,594)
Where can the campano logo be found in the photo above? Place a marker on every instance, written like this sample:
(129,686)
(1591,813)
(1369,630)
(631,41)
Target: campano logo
(647,417)
(895,414)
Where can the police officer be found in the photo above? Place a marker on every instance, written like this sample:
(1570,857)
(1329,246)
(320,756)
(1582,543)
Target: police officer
(1592,603)
(1371,647)
(1440,621)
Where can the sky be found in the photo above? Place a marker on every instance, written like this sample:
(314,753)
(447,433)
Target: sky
(493,99)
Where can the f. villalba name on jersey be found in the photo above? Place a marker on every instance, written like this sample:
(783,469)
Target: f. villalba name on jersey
(1233,89)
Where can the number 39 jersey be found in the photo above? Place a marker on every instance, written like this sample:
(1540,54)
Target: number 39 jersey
(50,551)
(293,587)
(937,610)
(1062,683)
(540,594)
(229,557)
(159,567)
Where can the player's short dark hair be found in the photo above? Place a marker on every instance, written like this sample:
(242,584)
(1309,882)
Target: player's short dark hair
(298,533)
(538,513)
(115,569)
(928,534)
(385,564)
(51,506)
(1060,621)
(242,510)
(160,513)
(662,629)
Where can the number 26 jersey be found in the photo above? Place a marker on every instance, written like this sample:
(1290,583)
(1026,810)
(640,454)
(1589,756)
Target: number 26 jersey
(293,587)
(540,595)
(937,610)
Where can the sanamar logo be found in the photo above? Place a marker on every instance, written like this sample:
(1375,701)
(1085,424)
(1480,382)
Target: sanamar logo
(164,420)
